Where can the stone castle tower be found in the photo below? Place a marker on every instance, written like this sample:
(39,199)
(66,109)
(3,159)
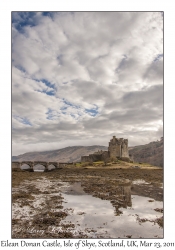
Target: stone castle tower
(118,147)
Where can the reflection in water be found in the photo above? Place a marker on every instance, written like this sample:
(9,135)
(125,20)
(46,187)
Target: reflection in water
(97,218)
(75,189)
(38,168)
(121,198)
(127,195)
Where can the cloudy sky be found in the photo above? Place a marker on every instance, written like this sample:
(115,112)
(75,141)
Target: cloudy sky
(80,77)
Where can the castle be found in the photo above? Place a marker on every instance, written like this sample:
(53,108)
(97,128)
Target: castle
(118,148)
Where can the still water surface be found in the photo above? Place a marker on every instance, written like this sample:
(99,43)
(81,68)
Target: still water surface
(97,218)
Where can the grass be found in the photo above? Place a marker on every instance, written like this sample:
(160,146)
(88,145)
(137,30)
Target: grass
(78,164)
(116,164)
(98,162)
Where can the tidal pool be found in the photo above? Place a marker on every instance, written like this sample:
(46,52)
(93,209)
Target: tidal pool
(97,218)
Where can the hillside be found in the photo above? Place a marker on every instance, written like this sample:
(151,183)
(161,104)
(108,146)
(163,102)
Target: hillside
(68,154)
(151,153)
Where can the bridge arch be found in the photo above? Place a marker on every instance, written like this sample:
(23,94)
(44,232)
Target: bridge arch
(25,166)
(55,164)
(32,165)
(43,163)
(51,166)
(28,163)
(38,167)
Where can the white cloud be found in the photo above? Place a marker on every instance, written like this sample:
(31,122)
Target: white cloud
(78,78)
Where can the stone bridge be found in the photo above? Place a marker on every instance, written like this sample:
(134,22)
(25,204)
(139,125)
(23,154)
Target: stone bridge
(32,164)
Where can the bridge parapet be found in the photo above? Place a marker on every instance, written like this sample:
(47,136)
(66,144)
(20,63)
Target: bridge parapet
(32,164)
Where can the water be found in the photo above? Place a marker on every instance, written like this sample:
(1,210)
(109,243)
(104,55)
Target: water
(94,217)
(140,181)
(97,219)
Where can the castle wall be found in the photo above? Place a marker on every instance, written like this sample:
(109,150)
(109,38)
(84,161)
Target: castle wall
(95,157)
(105,155)
(125,149)
(85,159)
(115,151)
(91,158)
(118,147)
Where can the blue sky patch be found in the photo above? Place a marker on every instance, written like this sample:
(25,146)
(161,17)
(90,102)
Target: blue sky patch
(23,120)
(158,57)
(51,92)
(21,68)
(92,112)
(26,121)
(48,84)
(63,108)
(50,115)
(70,104)
(67,102)
(122,63)
(22,19)
(48,13)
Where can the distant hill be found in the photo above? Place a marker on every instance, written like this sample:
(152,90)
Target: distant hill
(68,154)
(151,153)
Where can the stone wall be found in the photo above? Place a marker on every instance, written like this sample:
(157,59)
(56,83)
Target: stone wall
(16,165)
(118,148)
(98,156)
(131,157)
(91,158)
(85,158)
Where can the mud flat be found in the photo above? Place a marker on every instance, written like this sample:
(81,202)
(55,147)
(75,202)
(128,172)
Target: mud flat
(89,202)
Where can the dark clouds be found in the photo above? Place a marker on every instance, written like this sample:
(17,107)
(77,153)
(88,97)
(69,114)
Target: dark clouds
(78,78)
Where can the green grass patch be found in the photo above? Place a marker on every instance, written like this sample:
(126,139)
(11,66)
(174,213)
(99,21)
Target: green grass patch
(78,164)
